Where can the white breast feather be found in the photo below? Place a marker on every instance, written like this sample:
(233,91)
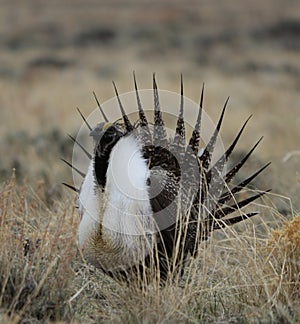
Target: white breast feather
(88,206)
(124,210)
(128,210)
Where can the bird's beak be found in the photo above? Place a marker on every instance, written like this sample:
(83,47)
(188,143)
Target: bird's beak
(93,132)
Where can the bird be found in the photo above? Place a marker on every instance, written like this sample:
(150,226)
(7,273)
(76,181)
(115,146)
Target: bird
(149,199)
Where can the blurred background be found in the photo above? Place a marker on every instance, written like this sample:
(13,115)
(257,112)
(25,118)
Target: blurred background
(54,54)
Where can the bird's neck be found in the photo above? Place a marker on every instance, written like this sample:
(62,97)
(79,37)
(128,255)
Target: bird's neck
(100,168)
(101,159)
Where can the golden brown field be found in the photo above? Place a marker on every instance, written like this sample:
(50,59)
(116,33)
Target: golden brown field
(53,56)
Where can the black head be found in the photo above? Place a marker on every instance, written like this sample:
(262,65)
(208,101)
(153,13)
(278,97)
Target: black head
(105,135)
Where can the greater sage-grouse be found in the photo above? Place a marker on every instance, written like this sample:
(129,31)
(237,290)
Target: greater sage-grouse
(149,198)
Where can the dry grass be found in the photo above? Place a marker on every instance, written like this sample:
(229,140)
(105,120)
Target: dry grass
(249,273)
(37,251)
